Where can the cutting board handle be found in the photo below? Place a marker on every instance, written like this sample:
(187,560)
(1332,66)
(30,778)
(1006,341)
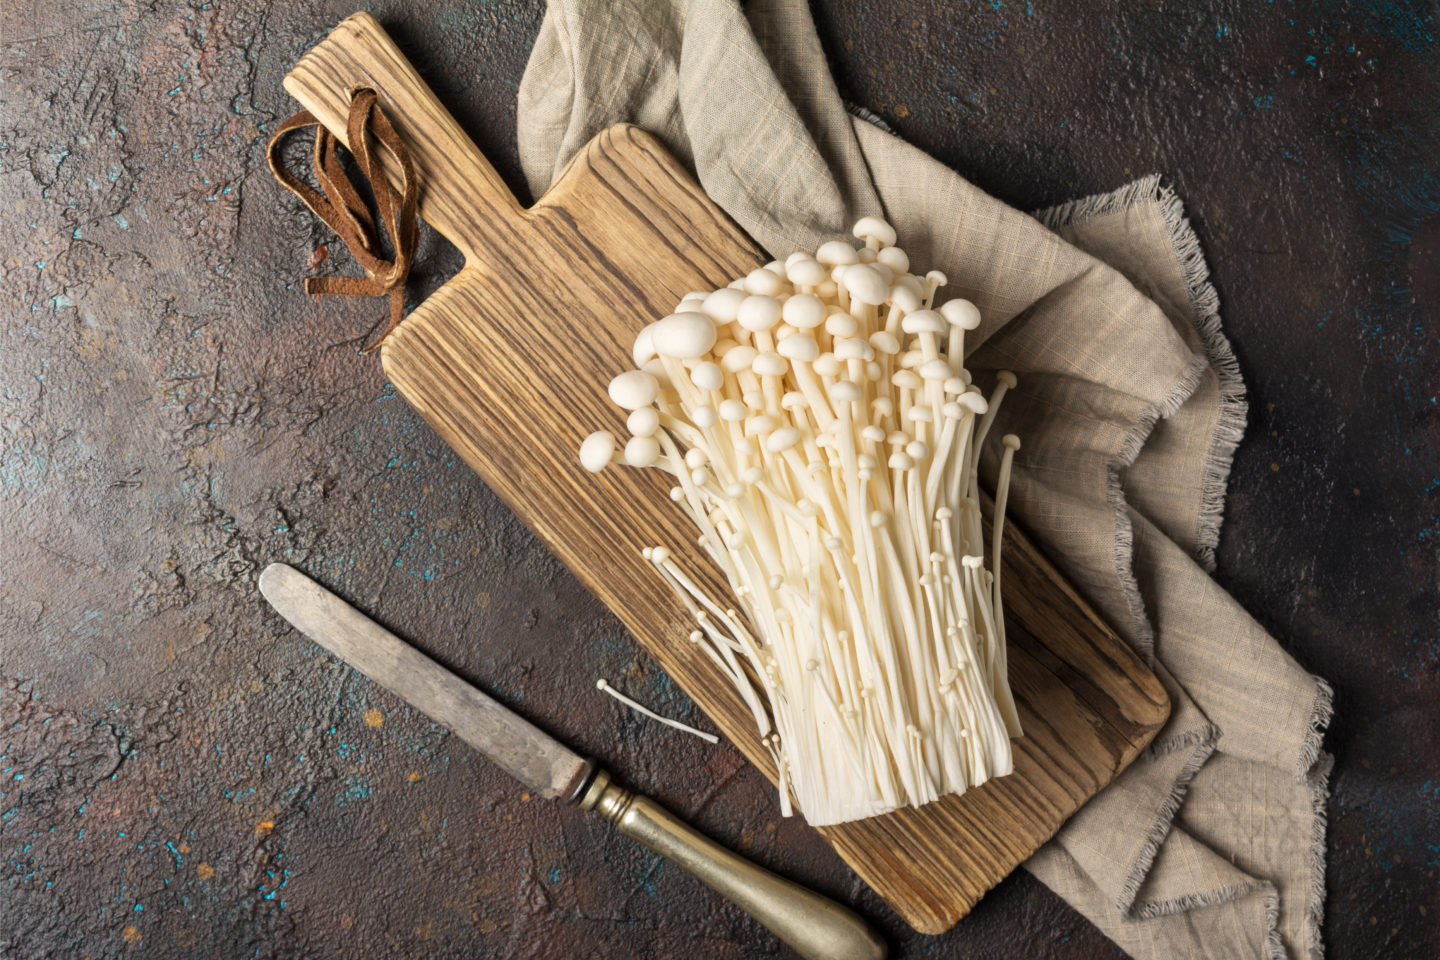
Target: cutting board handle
(459,189)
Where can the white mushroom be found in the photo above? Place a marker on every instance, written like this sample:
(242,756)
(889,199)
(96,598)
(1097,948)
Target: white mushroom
(642,422)
(804,311)
(634,389)
(596,450)
(875,232)
(818,426)
(684,336)
(642,451)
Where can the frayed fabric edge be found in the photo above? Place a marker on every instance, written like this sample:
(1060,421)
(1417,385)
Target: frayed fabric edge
(1205,317)
(1315,765)
(1234,407)
(1160,829)
(1141,629)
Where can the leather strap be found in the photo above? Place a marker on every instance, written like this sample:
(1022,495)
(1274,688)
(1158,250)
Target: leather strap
(342,210)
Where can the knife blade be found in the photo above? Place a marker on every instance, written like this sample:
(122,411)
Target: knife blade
(511,742)
(817,927)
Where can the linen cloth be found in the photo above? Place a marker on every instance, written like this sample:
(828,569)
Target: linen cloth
(1130,406)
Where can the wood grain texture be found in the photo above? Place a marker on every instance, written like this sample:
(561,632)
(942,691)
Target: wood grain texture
(509,362)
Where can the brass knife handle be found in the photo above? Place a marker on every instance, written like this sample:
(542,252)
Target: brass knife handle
(817,927)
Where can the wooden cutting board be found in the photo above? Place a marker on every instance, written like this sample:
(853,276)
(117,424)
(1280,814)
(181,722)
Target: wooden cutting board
(509,362)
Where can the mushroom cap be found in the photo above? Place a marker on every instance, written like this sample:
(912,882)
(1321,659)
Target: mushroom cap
(853,348)
(804,311)
(764,281)
(644,348)
(1011,441)
(826,365)
(894,258)
(738,358)
(937,369)
(924,321)
(937,278)
(906,379)
(798,346)
(782,439)
(684,336)
(873,433)
(707,375)
(703,417)
(642,451)
(1007,377)
(733,411)
(758,312)
(793,399)
(841,325)
(722,305)
(642,422)
(807,272)
(596,450)
(760,423)
(769,365)
(844,391)
(634,389)
(883,342)
(900,460)
(873,228)
(962,313)
(905,297)
(865,284)
(835,252)
(973,402)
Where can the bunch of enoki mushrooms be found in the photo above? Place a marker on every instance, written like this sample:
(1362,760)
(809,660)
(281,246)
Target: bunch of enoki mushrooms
(824,436)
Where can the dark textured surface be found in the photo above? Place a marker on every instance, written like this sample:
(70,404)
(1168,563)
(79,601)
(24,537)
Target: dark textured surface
(182,776)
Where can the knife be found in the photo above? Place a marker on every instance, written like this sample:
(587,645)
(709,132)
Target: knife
(816,927)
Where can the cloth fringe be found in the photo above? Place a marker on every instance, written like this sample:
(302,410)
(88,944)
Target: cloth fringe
(1205,316)
(1315,767)
(1159,830)
(1234,407)
(1099,204)
(868,115)
(1229,429)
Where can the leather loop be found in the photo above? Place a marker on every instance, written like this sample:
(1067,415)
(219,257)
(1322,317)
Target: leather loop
(343,211)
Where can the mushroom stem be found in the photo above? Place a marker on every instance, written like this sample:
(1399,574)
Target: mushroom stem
(823,436)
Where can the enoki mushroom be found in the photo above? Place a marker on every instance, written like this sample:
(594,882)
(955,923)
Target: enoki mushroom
(824,438)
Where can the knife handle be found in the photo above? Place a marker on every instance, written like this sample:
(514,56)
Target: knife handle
(816,927)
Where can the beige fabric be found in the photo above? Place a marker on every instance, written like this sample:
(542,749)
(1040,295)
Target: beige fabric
(1130,405)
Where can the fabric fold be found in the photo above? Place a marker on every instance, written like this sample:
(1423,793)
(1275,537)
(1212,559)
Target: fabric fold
(1130,406)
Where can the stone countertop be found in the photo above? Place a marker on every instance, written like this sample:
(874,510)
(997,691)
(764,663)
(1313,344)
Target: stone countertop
(182,776)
